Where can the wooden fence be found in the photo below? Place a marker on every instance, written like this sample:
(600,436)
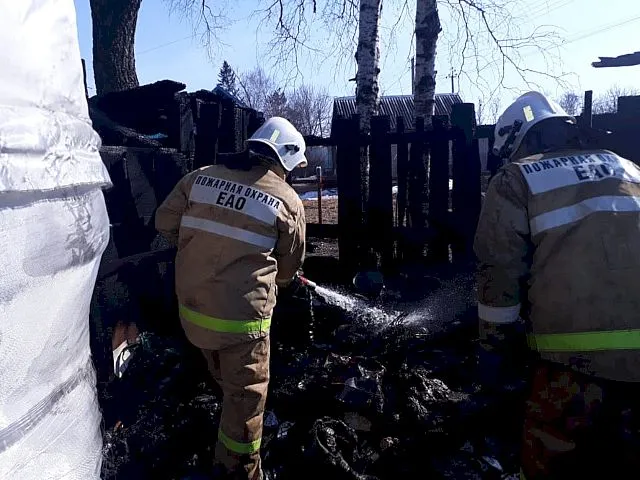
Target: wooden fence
(432,223)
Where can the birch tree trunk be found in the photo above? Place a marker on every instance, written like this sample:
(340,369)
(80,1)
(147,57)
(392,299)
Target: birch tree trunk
(427,30)
(424,88)
(368,61)
(367,87)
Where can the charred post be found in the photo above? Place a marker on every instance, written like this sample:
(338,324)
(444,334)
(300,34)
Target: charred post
(439,191)
(207,132)
(466,196)
(380,218)
(349,199)
(417,182)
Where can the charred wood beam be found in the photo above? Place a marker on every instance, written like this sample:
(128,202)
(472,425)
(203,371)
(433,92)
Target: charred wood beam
(627,60)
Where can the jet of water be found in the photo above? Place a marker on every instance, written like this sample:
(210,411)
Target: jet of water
(452,299)
(455,297)
(358,307)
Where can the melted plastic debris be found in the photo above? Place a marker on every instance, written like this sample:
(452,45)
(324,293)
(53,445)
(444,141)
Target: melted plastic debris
(270,420)
(348,399)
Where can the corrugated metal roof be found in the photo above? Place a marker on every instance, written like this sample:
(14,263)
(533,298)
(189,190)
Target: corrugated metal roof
(396,106)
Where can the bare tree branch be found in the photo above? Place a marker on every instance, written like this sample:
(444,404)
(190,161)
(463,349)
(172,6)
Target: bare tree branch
(608,101)
(255,88)
(571,103)
(206,22)
(292,24)
(308,107)
(490,36)
(487,41)
(488,113)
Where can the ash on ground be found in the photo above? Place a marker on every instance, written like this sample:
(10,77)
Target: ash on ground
(351,396)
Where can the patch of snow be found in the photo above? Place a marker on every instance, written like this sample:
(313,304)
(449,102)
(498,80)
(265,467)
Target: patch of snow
(330,193)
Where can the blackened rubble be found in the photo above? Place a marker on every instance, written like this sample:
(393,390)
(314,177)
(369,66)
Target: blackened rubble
(348,399)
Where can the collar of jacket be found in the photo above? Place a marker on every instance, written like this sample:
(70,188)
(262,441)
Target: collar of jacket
(553,154)
(247,160)
(268,164)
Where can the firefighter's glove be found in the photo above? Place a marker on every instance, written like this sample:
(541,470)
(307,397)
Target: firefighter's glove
(501,355)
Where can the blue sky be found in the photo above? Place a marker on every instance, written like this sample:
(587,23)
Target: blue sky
(166,48)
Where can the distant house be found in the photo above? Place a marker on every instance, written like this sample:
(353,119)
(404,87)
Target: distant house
(395,106)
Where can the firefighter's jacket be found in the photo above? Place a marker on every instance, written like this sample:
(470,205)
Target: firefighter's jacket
(558,242)
(239,235)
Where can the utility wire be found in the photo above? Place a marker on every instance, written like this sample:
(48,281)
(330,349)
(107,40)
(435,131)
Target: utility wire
(165,45)
(538,12)
(603,29)
(588,34)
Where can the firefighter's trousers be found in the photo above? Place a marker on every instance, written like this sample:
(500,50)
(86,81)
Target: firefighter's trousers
(577,426)
(242,371)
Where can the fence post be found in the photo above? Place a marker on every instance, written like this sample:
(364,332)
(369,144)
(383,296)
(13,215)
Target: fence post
(380,211)
(319,178)
(180,124)
(402,165)
(587,109)
(439,192)
(417,180)
(207,132)
(402,162)
(349,198)
(466,197)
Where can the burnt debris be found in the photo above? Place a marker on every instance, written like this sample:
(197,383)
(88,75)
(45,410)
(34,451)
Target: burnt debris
(350,398)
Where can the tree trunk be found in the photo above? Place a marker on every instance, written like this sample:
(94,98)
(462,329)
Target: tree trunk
(114,30)
(424,88)
(368,60)
(367,87)
(427,30)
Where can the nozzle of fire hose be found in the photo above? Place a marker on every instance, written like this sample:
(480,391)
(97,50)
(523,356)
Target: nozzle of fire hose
(307,282)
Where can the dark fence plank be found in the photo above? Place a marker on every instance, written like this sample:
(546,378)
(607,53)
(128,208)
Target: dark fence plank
(466,197)
(380,214)
(439,191)
(417,181)
(587,112)
(485,131)
(207,132)
(180,124)
(349,198)
(402,163)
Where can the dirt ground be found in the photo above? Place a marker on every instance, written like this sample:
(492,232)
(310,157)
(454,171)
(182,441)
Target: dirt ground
(329,210)
(322,247)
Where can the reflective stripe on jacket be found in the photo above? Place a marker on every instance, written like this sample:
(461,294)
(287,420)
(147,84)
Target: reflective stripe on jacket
(239,234)
(560,235)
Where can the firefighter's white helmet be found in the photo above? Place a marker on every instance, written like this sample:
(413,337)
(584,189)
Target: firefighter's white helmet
(528,110)
(283,138)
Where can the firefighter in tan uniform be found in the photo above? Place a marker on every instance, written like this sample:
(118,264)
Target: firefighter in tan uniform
(558,244)
(240,233)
